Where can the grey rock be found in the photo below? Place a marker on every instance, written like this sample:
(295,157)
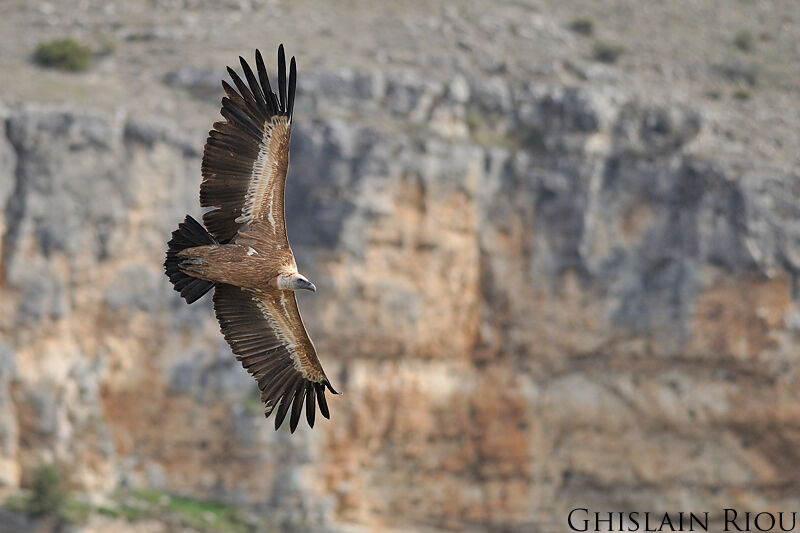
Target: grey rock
(201,83)
(135,287)
(492,94)
(150,132)
(458,90)
(344,87)
(8,163)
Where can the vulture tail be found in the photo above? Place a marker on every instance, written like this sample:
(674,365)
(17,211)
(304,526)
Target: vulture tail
(190,233)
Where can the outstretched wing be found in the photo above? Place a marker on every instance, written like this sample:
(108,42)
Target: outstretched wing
(267,335)
(246,157)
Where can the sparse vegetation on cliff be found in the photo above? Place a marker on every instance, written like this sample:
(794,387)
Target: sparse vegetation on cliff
(48,498)
(63,54)
(47,492)
(744,41)
(607,52)
(582,25)
(185,512)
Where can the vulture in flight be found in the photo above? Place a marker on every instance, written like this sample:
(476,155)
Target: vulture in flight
(243,252)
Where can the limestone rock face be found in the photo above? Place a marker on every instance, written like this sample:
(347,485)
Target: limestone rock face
(534,297)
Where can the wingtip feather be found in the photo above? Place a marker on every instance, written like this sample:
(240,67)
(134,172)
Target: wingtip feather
(283,408)
(282,78)
(292,87)
(311,409)
(323,403)
(297,407)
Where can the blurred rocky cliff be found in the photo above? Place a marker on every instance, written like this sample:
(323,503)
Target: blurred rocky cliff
(535,295)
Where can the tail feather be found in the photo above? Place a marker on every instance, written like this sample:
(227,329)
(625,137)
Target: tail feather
(190,233)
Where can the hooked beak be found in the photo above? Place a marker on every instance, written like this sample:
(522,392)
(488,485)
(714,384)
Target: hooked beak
(309,286)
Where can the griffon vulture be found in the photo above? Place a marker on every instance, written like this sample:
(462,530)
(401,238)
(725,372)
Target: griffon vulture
(243,252)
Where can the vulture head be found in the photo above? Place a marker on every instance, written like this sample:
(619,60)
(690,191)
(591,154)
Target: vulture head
(295,282)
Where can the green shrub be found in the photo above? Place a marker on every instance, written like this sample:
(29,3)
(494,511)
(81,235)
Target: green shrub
(607,52)
(63,54)
(47,495)
(482,132)
(738,73)
(532,138)
(744,41)
(582,25)
(742,94)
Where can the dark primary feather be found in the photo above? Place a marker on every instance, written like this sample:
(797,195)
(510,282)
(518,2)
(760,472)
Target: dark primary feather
(283,408)
(292,87)
(247,98)
(282,77)
(297,405)
(310,409)
(258,93)
(262,75)
(323,404)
